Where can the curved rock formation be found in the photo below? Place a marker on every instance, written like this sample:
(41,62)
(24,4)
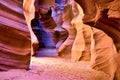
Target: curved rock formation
(14,36)
(65,49)
(30,7)
(106,18)
(100,47)
(81,48)
(61,33)
(48,24)
(29,10)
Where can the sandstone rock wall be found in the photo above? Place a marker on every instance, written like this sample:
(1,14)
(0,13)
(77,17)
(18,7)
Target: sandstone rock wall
(106,18)
(106,14)
(81,42)
(14,36)
(100,46)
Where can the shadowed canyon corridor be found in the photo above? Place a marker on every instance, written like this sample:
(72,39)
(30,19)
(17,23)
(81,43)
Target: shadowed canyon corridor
(60,40)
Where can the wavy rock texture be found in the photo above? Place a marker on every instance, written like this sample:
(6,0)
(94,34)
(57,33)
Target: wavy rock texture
(107,19)
(14,36)
(103,12)
(100,47)
(32,6)
(84,37)
(57,14)
(29,10)
(65,49)
(103,57)
(44,30)
(48,24)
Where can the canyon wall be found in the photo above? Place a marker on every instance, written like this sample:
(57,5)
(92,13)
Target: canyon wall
(15,42)
(82,31)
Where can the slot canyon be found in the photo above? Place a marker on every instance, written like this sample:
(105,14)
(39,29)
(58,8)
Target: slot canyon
(59,39)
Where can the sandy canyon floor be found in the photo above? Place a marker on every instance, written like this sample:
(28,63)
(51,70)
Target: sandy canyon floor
(54,68)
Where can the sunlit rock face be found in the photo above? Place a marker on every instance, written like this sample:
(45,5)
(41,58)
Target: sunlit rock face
(84,35)
(67,32)
(29,10)
(14,36)
(114,9)
(106,17)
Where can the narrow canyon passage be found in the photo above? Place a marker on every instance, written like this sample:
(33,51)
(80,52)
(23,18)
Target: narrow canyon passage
(60,40)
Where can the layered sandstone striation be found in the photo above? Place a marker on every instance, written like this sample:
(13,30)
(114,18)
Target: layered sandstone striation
(81,31)
(14,36)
